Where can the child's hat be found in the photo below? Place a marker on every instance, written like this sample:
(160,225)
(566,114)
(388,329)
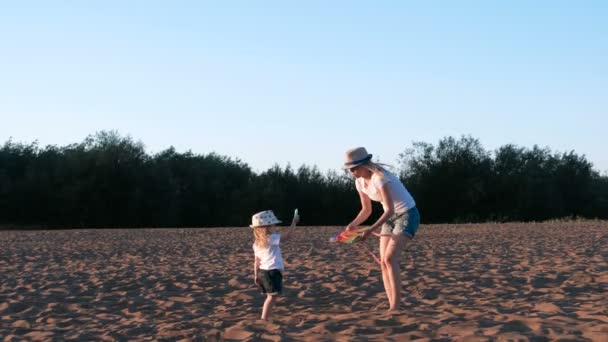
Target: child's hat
(263,218)
(356,156)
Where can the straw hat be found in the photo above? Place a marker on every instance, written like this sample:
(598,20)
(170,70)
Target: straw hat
(356,156)
(263,218)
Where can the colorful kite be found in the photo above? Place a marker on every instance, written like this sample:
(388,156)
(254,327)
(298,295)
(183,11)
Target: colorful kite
(349,236)
(352,237)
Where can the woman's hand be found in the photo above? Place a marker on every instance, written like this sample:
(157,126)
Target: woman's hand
(366,234)
(351,227)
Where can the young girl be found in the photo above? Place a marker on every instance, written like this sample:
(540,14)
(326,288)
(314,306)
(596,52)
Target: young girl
(398,223)
(268,261)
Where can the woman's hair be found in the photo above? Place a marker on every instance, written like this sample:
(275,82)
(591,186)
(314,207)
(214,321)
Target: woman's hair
(261,236)
(377,168)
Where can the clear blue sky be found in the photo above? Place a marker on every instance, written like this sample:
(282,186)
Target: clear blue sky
(301,81)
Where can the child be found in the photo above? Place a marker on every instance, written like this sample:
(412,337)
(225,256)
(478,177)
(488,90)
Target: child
(268,261)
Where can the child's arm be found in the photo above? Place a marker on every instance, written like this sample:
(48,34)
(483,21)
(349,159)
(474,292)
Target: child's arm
(289,232)
(256,267)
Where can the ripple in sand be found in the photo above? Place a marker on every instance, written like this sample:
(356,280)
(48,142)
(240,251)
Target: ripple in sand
(547,308)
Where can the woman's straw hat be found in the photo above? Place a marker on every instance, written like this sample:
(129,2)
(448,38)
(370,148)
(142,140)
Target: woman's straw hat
(356,156)
(263,218)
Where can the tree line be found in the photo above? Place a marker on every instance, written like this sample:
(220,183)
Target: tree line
(109,181)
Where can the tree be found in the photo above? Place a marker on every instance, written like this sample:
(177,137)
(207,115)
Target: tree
(449,182)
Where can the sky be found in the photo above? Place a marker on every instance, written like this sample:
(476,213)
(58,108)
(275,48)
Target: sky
(300,82)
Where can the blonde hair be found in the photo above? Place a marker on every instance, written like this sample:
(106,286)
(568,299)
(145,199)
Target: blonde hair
(261,236)
(379,169)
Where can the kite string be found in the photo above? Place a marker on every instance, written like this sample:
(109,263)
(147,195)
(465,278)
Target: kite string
(371,253)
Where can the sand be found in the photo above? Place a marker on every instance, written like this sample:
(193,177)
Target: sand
(482,282)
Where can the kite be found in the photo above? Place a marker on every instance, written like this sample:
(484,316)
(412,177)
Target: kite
(353,237)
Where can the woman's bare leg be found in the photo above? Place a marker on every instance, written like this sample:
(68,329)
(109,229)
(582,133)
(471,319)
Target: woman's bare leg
(391,261)
(384,240)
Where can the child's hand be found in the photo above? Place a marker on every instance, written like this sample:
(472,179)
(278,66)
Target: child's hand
(296,218)
(257,281)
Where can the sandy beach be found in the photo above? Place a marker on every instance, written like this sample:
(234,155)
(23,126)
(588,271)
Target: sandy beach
(473,282)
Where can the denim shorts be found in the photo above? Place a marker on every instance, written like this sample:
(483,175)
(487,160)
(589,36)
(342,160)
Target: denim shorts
(406,223)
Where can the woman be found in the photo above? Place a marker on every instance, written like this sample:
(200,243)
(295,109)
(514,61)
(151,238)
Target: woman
(399,221)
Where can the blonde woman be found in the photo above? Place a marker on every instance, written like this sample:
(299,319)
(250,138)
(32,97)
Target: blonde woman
(398,223)
(268,261)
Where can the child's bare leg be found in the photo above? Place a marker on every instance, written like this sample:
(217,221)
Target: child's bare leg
(384,268)
(267,309)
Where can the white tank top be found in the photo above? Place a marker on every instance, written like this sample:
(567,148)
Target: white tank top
(402,200)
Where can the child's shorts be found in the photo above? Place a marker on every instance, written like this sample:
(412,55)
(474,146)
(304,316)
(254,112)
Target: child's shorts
(406,223)
(271,281)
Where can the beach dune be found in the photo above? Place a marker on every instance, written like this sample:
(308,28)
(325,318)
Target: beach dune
(474,282)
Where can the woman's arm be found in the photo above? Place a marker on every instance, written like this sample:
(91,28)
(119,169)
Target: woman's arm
(366,210)
(387,202)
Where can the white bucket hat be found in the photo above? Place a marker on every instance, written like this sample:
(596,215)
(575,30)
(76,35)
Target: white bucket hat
(356,156)
(263,218)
